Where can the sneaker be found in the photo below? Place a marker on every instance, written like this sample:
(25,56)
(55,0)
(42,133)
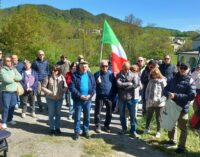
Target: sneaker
(23,115)
(58,132)
(170,144)
(4,126)
(86,134)
(98,129)
(116,110)
(33,115)
(107,129)
(146,131)
(122,132)
(158,135)
(52,132)
(180,151)
(69,117)
(133,135)
(76,136)
(12,122)
(16,106)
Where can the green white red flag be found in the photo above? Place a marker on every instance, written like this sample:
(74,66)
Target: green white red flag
(118,53)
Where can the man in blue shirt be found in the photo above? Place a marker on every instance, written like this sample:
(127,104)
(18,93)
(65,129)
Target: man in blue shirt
(82,88)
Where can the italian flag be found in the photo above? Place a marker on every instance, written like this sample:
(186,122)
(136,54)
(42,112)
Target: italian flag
(118,53)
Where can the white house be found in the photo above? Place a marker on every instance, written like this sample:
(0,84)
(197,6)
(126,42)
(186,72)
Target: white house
(192,56)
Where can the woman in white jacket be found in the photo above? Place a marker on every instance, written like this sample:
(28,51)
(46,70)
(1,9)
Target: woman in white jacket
(155,101)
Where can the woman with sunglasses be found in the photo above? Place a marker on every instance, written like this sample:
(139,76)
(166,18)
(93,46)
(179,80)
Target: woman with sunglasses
(54,91)
(9,77)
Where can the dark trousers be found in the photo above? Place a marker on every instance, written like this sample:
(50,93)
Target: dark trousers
(150,112)
(99,103)
(28,97)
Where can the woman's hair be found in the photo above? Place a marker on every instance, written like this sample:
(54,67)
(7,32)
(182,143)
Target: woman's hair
(156,74)
(134,68)
(72,65)
(57,68)
(5,58)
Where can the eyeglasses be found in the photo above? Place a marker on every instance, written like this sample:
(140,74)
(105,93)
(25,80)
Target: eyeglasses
(183,68)
(41,54)
(140,60)
(167,58)
(104,66)
(8,60)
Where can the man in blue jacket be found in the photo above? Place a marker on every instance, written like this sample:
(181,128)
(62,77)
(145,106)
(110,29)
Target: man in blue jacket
(82,88)
(105,84)
(181,89)
(166,68)
(41,66)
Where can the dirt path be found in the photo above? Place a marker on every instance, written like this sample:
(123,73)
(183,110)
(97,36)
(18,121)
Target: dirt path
(30,139)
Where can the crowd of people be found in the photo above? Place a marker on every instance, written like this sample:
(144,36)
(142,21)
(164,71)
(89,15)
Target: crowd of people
(149,82)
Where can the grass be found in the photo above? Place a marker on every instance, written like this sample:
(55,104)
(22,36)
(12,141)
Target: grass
(97,148)
(192,144)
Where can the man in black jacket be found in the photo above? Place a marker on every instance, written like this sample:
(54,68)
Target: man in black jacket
(166,68)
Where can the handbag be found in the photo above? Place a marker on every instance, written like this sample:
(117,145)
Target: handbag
(20,89)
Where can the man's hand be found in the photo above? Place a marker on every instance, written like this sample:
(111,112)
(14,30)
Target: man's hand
(83,97)
(171,95)
(29,89)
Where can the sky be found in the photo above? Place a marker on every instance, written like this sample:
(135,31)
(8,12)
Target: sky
(183,15)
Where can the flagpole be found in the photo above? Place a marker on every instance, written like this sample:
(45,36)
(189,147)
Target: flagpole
(101,52)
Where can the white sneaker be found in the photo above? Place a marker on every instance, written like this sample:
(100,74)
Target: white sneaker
(158,135)
(33,115)
(16,106)
(23,115)
(4,126)
(146,131)
(12,122)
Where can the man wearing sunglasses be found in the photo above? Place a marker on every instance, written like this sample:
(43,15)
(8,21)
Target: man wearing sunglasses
(105,83)
(166,68)
(181,89)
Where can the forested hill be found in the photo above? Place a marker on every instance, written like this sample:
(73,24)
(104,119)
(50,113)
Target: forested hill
(26,28)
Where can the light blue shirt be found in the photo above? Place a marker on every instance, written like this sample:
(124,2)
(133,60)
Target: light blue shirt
(84,84)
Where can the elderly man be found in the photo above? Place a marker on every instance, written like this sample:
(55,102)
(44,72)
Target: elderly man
(18,65)
(181,89)
(82,89)
(64,64)
(41,66)
(105,83)
(166,68)
(126,83)
(141,64)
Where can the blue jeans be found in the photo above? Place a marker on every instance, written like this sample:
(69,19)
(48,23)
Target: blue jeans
(9,100)
(71,104)
(131,108)
(79,106)
(54,109)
